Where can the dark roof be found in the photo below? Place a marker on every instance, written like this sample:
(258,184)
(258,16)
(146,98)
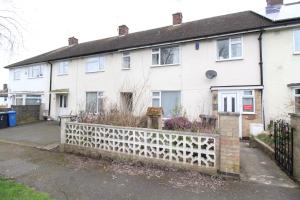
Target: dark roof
(236,22)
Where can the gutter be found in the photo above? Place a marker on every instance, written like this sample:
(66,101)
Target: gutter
(50,88)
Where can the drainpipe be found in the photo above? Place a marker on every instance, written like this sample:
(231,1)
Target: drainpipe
(261,74)
(50,88)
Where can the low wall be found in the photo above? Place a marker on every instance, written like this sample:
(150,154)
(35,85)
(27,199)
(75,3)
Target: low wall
(256,143)
(295,123)
(181,149)
(26,113)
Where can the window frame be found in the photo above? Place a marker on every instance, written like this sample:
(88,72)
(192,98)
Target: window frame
(159,56)
(248,96)
(64,65)
(30,96)
(294,41)
(100,95)
(126,54)
(19,96)
(230,48)
(156,97)
(19,74)
(100,67)
(30,72)
(296,96)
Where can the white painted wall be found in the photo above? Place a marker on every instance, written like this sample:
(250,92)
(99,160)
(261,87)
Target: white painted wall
(188,76)
(27,85)
(281,67)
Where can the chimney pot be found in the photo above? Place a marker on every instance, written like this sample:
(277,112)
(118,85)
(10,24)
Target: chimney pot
(73,40)
(274,2)
(123,30)
(4,86)
(177,18)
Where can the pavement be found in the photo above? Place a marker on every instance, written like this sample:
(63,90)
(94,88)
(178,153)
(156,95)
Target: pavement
(71,177)
(42,135)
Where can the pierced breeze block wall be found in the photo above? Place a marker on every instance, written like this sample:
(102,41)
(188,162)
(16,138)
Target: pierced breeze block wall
(180,149)
(229,143)
(295,123)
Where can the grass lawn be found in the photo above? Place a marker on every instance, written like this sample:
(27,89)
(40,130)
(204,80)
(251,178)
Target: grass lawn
(11,190)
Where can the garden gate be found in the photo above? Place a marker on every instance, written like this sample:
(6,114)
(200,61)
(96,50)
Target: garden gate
(283,136)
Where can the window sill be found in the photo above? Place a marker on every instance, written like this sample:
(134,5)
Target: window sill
(296,53)
(35,77)
(169,65)
(231,59)
(248,113)
(95,72)
(125,69)
(62,74)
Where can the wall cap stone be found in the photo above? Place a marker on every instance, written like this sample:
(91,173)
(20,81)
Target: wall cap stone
(229,113)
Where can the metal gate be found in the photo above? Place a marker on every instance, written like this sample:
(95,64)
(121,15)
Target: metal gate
(283,136)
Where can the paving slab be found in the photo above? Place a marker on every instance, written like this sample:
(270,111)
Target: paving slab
(45,134)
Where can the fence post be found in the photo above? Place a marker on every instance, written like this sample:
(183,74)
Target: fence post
(63,120)
(295,123)
(229,143)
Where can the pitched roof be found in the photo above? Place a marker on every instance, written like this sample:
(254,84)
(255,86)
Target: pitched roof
(236,22)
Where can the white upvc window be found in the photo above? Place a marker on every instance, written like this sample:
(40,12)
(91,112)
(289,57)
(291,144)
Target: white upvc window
(35,71)
(165,56)
(248,102)
(17,74)
(19,99)
(230,48)
(95,64)
(297,100)
(297,41)
(33,100)
(63,68)
(94,102)
(126,60)
(168,100)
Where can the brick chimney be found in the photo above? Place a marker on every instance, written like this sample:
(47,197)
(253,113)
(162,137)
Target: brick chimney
(177,18)
(274,2)
(73,41)
(123,30)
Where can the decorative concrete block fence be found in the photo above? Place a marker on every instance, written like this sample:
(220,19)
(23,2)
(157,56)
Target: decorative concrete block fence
(198,151)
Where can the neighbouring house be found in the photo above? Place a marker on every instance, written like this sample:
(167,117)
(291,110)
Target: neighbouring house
(201,67)
(281,61)
(4,97)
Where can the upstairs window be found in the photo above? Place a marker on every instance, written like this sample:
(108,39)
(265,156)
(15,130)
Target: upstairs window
(94,102)
(17,74)
(248,101)
(297,100)
(63,68)
(297,41)
(126,60)
(95,64)
(229,48)
(35,71)
(165,56)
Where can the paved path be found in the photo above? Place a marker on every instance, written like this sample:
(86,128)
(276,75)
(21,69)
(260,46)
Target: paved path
(45,135)
(259,168)
(66,176)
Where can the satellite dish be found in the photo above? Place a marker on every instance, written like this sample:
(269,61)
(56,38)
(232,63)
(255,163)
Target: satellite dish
(210,74)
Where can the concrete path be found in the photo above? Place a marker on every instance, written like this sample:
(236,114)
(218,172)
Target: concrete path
(258,168)
(44,135)
(70,177)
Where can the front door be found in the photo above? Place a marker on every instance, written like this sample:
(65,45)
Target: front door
(229,102)
(62,105)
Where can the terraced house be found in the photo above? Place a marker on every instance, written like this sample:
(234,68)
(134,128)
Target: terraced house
(202,67)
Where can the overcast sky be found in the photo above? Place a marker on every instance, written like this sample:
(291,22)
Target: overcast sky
(47,24)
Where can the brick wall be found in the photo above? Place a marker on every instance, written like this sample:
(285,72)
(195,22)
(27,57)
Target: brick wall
(27,113)
(252,118)
(295,123)
(229,143)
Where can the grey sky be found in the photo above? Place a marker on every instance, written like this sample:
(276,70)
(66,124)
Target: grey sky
(47,24)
